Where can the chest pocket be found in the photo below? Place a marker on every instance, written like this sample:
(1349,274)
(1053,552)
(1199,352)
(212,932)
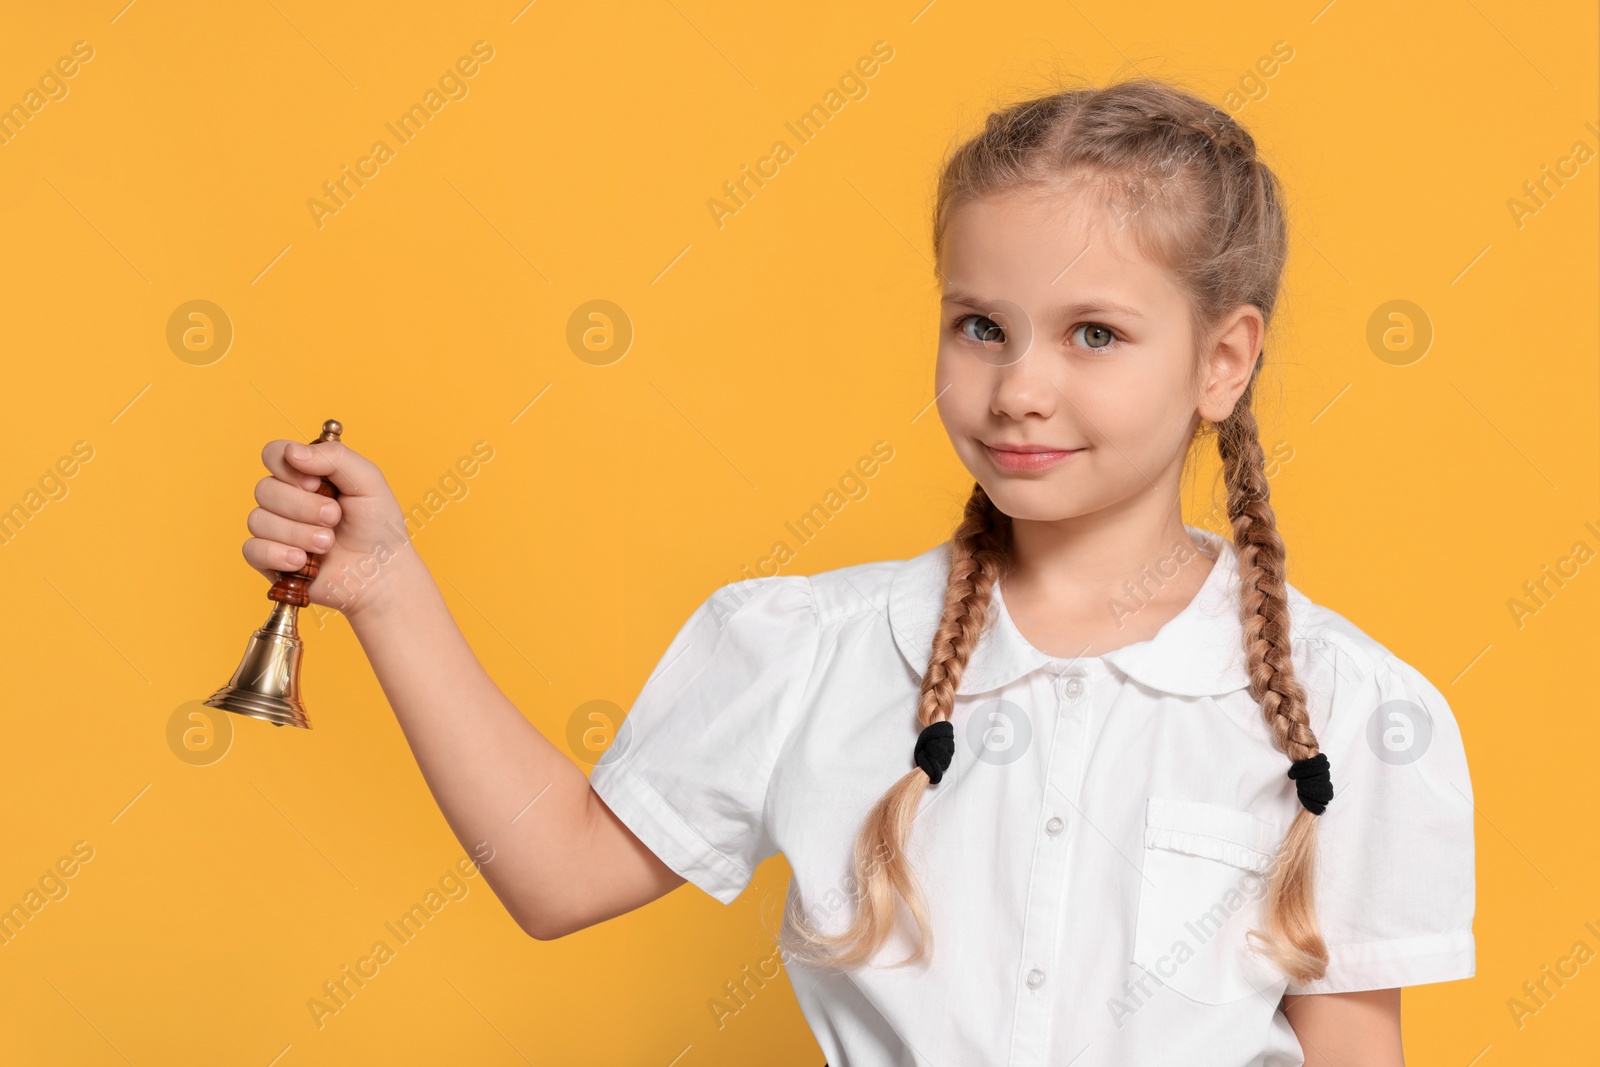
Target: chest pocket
(1204,886)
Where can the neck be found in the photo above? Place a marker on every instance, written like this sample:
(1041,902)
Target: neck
(1093,556)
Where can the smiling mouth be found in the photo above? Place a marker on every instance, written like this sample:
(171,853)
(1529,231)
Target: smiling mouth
(1027,457)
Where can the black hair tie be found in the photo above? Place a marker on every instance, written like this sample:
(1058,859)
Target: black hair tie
(936,747)
(1312,782)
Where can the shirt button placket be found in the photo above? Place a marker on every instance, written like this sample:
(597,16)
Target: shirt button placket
(1070,690)
(1035,1007)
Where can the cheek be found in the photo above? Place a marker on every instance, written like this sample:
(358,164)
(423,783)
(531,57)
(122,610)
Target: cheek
(962,386)
(1116,410)
(1134,406)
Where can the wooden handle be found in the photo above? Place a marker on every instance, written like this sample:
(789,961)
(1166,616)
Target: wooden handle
(296,588)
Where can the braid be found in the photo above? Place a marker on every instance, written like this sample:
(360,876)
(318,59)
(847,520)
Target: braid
(878,865)
(1294,940)
(1264,609)
(1225,134)
(977,554)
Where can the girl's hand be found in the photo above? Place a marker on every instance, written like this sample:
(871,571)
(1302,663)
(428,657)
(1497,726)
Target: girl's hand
(356,535)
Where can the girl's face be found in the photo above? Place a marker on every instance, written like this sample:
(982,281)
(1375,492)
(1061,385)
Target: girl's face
(1058,334)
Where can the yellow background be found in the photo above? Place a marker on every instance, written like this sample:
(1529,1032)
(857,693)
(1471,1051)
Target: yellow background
(768,356)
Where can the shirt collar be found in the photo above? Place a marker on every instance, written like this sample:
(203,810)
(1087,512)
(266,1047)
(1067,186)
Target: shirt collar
(1199,652)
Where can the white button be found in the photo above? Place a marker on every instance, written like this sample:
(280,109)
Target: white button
(1055,825)
(1035,978)
(1074,687)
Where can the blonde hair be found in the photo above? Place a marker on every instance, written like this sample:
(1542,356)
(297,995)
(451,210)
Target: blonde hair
(1205,207)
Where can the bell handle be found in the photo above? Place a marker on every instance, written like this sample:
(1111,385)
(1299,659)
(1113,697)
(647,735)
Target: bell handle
(295,589)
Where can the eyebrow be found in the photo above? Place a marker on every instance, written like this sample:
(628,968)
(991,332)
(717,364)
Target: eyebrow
(1082,307)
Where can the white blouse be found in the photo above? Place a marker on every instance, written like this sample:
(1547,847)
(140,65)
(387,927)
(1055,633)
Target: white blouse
(1096,851)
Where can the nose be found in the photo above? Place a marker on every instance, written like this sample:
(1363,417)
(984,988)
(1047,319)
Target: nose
(1020,377)
(1025,387)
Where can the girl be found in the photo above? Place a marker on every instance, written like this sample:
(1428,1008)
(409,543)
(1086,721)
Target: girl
(1085,784)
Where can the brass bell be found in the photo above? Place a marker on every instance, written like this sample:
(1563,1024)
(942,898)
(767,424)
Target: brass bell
(266,684)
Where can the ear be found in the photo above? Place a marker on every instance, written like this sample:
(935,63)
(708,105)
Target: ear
(1230,359)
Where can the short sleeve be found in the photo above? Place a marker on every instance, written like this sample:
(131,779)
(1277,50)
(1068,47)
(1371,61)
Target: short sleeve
(689,767)
(1395,884)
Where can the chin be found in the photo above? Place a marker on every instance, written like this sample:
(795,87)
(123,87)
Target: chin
(1030,500)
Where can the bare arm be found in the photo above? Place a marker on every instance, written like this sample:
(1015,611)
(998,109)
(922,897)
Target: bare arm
(556,856)
(1348,1029)
(561,859)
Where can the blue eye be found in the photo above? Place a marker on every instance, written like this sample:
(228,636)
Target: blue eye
(991,332)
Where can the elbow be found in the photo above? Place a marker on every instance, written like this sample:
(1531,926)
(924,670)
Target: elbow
(545,924)
(540,918)
(540,928)
(547,927)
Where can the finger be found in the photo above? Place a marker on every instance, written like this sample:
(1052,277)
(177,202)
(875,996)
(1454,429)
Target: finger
(347,469)
(272,558)
(274,527)
(273,459)
(300,505)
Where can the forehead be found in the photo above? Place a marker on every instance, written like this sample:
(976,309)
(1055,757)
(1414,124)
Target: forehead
(1049,245)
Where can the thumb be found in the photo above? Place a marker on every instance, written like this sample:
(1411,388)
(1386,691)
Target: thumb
(349,471)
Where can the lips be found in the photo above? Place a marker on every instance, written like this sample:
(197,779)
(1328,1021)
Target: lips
(1023,457)
(1002,446)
